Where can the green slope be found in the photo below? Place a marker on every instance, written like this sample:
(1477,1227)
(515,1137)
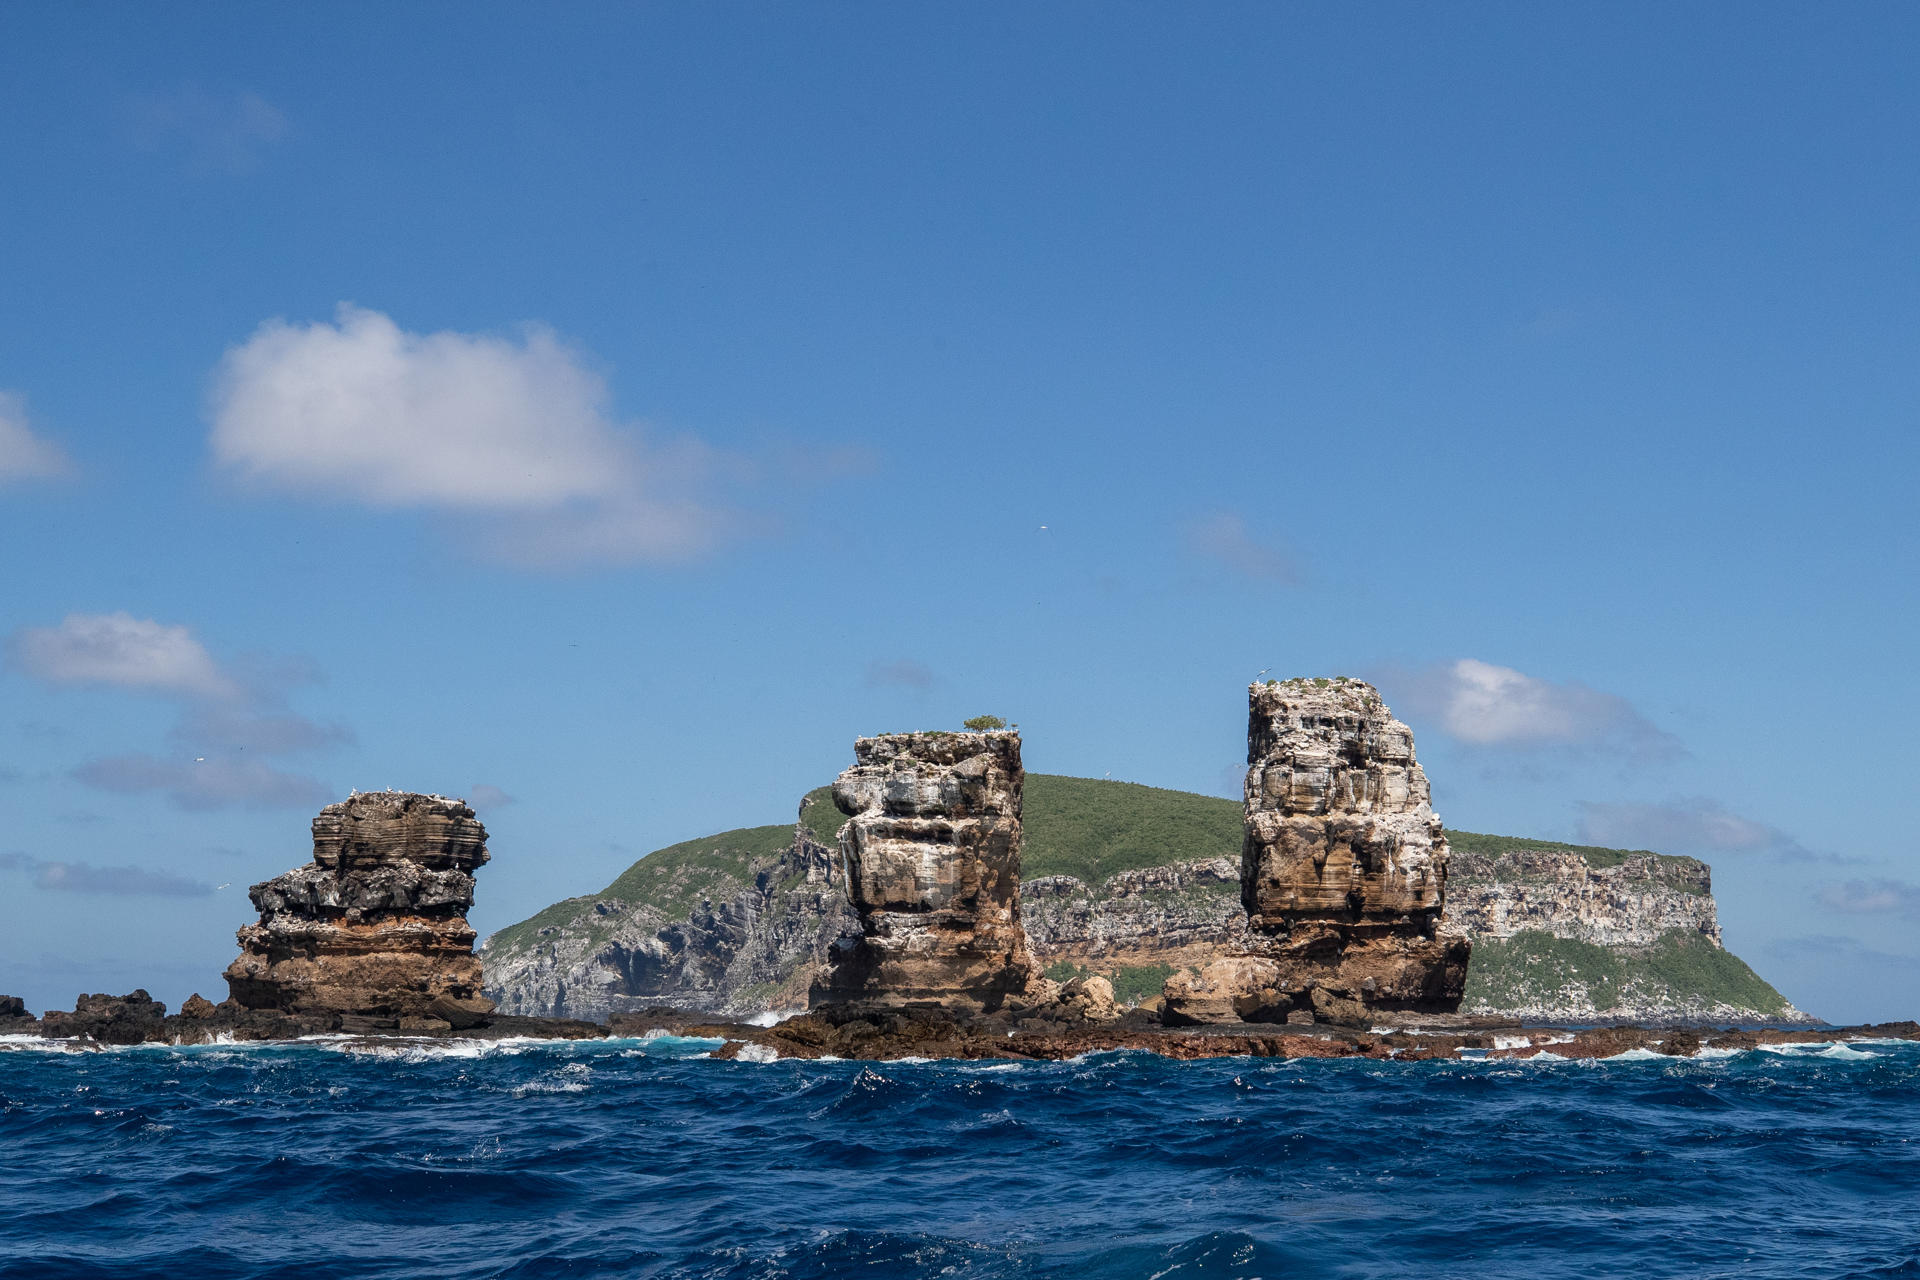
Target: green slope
(1533,969)
(1092,828)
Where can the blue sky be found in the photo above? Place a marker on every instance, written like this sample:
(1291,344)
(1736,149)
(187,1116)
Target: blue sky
(607,413)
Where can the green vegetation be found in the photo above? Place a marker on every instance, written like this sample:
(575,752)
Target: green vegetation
(1534,968)
(982,724)
(1091,828)
(1596,856)
(817,810)
(669,881)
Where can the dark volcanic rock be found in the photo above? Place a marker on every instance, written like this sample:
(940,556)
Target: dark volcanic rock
(375,927)
(14,1018)
(130,1019)
(1343,870)
(931,856)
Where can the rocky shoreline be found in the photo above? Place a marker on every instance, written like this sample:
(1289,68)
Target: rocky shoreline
(846,1032)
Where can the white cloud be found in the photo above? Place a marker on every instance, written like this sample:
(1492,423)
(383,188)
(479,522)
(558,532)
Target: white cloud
(229,132)
(121,650)
(24,455)
(514,432)
(1694,825)
(1224,537)
(1487,705)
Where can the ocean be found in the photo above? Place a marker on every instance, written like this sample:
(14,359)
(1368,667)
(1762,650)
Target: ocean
(337,1158)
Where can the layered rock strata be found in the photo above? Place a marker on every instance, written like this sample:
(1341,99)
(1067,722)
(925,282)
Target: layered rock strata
(1343,869)
(1631,903)
(930,857)
(375,926)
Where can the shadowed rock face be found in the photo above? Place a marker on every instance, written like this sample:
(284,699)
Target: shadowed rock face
(931,859)
(376,924)
(1343,869)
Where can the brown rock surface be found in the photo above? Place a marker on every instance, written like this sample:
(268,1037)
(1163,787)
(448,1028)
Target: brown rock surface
(376,925)
(931,862)
(1343,869)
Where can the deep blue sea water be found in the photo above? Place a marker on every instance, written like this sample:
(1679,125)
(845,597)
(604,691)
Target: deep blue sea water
(627,1158)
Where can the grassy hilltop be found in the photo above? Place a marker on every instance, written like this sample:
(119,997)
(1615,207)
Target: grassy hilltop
(1092,828)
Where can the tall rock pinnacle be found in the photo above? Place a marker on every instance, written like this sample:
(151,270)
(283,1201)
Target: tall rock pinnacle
(931,859)
(1343,869)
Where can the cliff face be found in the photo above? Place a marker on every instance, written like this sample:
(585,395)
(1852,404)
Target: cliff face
(376,924)
(931,860)
(1599,935)
(1629,904)
(747,944)
(1555,928)
(1181,914)
(1343,869)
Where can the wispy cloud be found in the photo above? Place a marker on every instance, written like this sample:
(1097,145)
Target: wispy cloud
(1224,537)
(901,673)
(229,132)
(1492,706)
(82,877)
(121,650)
(205,783)
(485,796)
(233,718)
(1872,897)
(1693,825)
(509,436)
(24,455)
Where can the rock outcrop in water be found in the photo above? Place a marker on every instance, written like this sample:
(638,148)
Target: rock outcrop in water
(931,860)
(375,926)
(1343,870)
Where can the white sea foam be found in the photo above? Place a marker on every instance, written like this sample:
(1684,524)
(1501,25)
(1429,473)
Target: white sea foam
(757,1053)
(1638,1055)
(1512,1042)
(773,1017)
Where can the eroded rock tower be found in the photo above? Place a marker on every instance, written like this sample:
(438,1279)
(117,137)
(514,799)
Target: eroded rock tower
(375,926)
(1343,869)
(931,860)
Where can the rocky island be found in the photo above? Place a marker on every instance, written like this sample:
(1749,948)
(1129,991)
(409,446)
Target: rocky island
(1351,917)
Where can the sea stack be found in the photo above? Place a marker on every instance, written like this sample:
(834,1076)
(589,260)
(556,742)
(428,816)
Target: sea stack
(1343,869)
(930,858)
(375,926)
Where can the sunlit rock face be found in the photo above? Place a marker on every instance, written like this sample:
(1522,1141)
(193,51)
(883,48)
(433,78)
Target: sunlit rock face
(1343,869)
(376,924)
(931,863)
